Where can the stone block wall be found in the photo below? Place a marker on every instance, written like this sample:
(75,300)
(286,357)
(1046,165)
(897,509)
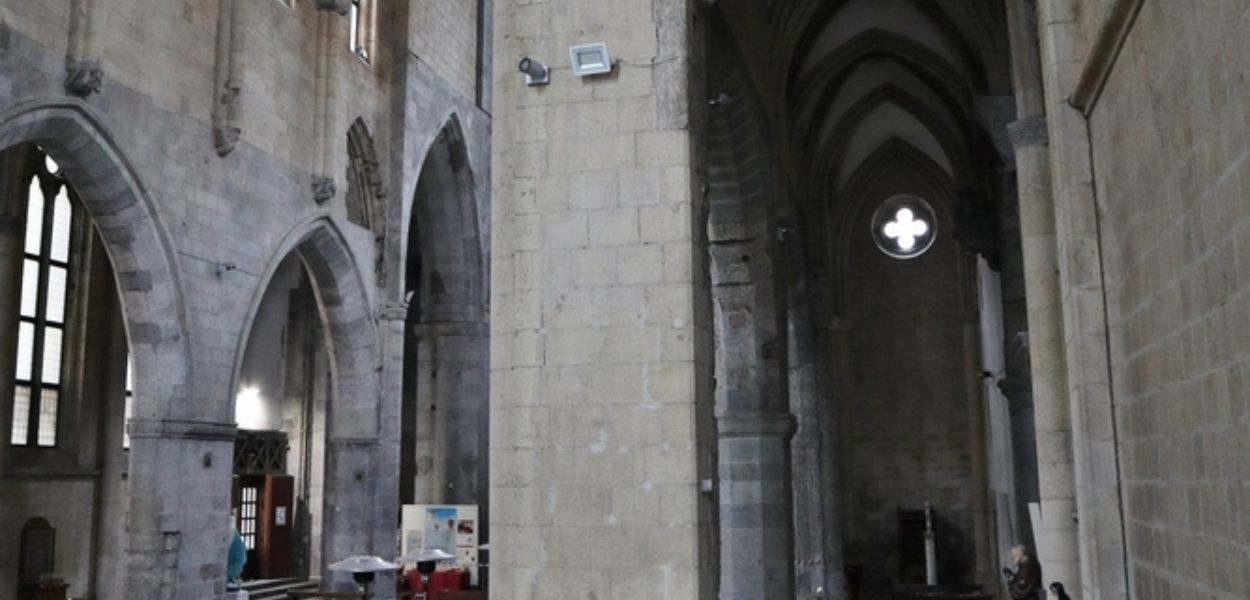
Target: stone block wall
(67,506)
(598,414)
(166,197)
(906,402)
(444,35)
(162,48)
(1172,168)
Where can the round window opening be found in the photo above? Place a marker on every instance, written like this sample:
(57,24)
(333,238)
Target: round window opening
(904,226)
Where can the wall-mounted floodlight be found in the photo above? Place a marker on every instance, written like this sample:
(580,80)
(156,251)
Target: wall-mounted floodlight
(590,59)
(536,73)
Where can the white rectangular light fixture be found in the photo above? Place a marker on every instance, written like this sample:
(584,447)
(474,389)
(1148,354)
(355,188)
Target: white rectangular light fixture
(590,59)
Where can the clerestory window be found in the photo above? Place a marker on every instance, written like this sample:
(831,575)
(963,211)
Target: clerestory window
(359,16)
(50,216)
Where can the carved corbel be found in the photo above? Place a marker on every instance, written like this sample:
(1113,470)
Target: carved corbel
(83,76)
(225,139)
(323,189)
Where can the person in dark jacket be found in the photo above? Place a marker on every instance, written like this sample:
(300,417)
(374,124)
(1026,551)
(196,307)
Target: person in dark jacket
(1025,582)
(1056,589)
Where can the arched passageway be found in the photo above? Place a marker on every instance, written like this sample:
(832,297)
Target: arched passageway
(277,499)
(814,122)
(309,412)
(446,332)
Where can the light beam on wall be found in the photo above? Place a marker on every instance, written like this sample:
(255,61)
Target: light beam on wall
(249,408)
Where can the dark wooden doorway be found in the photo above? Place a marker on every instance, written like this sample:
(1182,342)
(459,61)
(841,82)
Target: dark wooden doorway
(263,502)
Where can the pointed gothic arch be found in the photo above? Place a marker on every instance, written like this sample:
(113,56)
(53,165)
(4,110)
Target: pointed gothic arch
(356,463)
(153,311)
(136,241)
(445,389)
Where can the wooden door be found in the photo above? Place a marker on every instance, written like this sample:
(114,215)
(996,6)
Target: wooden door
(275,539)
(36,556)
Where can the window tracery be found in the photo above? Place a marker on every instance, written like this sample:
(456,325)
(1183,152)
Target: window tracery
(51,212)
(904,226)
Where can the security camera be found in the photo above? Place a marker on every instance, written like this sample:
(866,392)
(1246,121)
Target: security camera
(535,72)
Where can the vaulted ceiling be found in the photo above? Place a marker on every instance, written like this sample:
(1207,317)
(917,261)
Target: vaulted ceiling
(851,84)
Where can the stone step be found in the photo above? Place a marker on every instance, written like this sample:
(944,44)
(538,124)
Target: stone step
(940,592)
(276,589)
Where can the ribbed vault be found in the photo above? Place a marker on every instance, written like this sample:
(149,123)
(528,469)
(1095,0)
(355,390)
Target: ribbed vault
(843,78)
(819,110)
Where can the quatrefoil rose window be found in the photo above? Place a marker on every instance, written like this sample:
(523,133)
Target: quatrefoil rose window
(904,226)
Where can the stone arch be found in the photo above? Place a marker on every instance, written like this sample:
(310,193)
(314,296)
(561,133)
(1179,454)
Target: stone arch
(874,42)
(871,291)
(355,484)
(352,335)
(853,200)
(836,147)
(137,243)
(445,229)
(445,391)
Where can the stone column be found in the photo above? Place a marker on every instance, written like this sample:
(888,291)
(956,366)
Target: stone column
(1054,517)
(354,476)
(391,319)
(756,542)
(452,407)
(178,522)
(1095,457)
(754,423)
(814,470)
(599,390)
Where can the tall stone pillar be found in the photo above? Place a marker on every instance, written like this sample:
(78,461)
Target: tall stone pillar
(600,385)
(1055,524)
(1054,527)
(452,409)
(813,465)
(754,422)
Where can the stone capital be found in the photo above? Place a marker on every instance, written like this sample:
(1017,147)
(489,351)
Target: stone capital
(177,429)
(756,424)
(1028,132)
(397,311)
